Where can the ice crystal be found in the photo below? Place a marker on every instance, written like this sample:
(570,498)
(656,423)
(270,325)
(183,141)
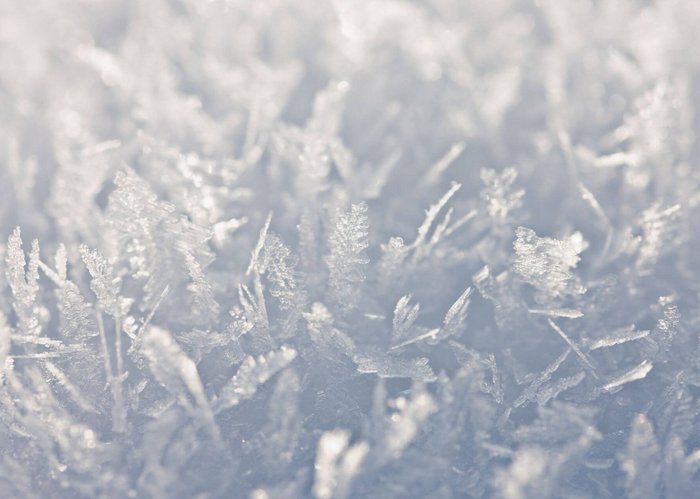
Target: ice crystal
(547,263)
(406,421)
(162,248)
(22,278)
(395,367)
(660,228)
(105,284)
(404,317)
(500,201)
(640,461)
(252,373)
(287,249)
(346,259)
(336,464)
(620,336)
(637,372)
(178,374)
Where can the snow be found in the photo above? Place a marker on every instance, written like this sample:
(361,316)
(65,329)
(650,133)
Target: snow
(286,248)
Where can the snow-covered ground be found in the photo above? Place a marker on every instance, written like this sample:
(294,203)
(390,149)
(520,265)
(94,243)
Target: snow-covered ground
(351,248)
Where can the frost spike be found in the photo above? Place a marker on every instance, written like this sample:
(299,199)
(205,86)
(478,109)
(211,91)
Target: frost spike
(558,312)
(640,461)
(458,311)
(430,216)
(252,374)
(430,335)
(255,254)
(584,358)
(347,243)
(588,196)
(336,464)
(5,343)
(624,335)
(395,367)
(173,369)
(531,391)
(406,422)
(451,325)
(404,317)
(72,390)
(637,372)
(119,411)
(460,222)
(438,168)
(546,263)
(562,384)
(498,194)
(23,282)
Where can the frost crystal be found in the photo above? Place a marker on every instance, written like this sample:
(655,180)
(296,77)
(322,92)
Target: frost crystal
(640,461)
(660,228)
(23,278)
(161,247)
(406,421)
(178,374)
(105,284)
(404,317)
(397,249)
(637,372)
(348,242)
(280,266)
(251,374)
(546,263)
(422,245)
(336,464)
(395,367)
(622,335)
(498,195)
(77,319)
(456,315)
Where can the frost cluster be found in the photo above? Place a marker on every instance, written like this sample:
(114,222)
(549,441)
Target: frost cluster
(293,248)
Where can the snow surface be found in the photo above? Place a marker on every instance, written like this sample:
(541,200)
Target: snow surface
(349,248)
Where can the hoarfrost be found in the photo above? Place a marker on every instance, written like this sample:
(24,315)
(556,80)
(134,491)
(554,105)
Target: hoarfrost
(336,464)
(178,374)
(498,195)
(251,374)
(23,277)
(620,336)
(340,249)
(546,263)
(404,317)
(407,420)
(641,460)
(395,367)
(637,372)
(348,243)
